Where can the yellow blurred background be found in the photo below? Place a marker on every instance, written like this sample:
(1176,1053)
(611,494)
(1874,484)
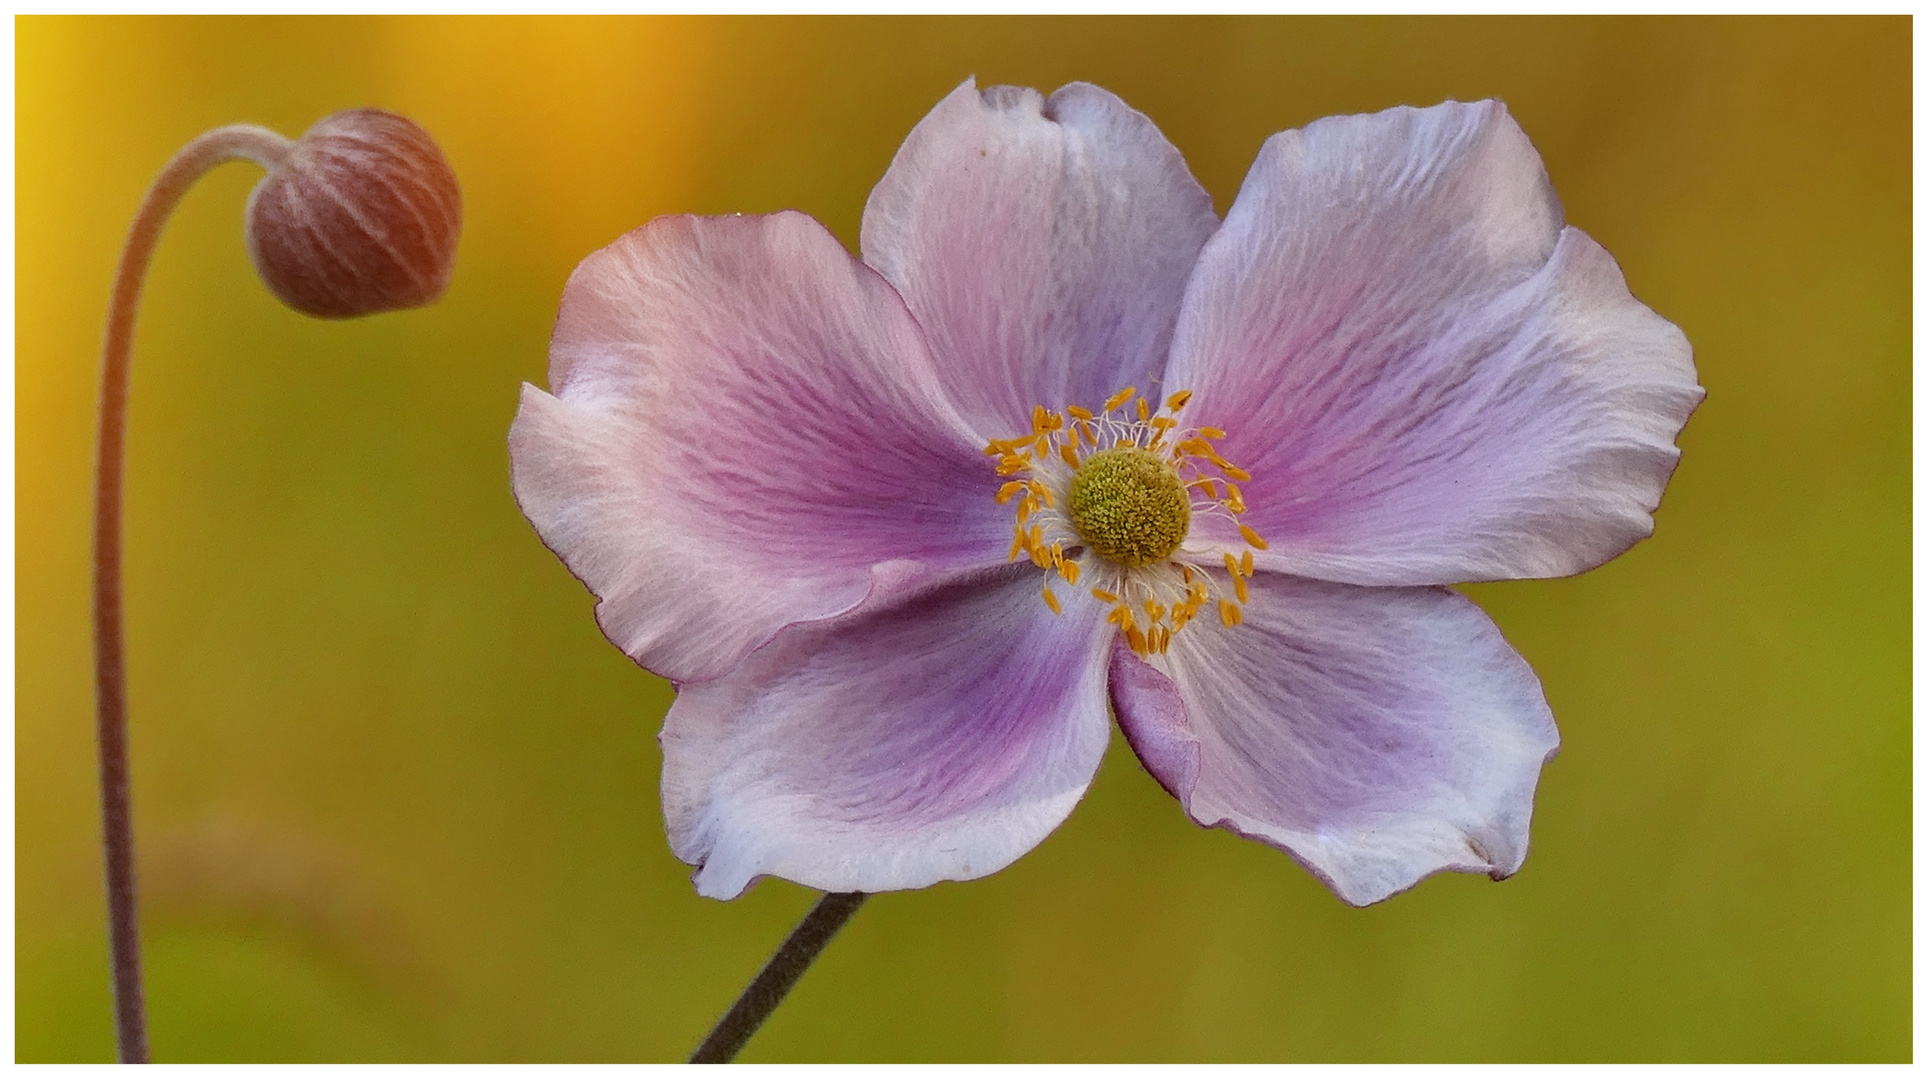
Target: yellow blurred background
(397,798)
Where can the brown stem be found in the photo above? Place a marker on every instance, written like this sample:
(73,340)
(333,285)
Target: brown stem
(234,143)
(785,967)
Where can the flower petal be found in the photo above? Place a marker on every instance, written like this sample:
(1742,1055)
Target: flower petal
(1430,379)
(935,737)
(1043,246)
(1376,735)
(745,424)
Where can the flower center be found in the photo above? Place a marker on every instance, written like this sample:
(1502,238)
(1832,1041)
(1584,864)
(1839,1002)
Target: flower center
(1129,506)
(1111,497)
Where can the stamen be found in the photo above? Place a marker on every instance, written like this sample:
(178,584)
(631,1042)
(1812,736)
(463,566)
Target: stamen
(1121,489)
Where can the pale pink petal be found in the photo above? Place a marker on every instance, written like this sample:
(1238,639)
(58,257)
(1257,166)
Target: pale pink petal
(934,737)
(745,423)
(1042,244)
(1376,735)
(1429,378)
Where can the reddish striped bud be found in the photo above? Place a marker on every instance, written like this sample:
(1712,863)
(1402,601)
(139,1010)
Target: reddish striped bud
(361,216)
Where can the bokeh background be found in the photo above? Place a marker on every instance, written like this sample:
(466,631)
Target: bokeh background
(397,798)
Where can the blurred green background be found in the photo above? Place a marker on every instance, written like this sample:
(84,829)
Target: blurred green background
(397,798)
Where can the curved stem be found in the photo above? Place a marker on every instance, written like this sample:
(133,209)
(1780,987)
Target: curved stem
(785,967)
(237,142)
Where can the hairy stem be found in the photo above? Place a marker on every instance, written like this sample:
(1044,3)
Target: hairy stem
(237,142)
(785,967)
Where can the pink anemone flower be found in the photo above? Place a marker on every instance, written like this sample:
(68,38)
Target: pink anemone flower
(900,530)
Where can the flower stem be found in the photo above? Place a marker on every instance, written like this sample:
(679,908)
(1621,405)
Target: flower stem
(785,967)
(236,142)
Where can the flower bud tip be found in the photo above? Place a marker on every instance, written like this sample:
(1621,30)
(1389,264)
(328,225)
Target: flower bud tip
(361,216)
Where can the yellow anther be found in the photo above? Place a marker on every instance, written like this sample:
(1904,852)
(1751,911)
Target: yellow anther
(1127,500)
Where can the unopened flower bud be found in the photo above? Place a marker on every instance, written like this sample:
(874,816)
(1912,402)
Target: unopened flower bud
(361,216)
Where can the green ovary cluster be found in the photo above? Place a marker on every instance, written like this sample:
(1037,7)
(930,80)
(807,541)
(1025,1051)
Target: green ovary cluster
(1129,506)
